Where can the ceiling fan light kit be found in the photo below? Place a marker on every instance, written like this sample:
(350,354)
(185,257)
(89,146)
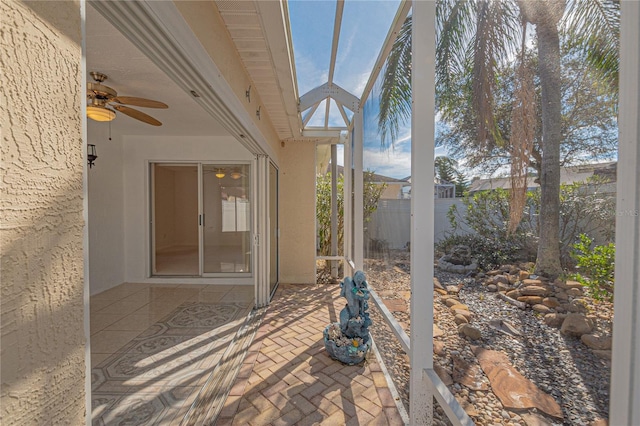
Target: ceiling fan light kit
(100,113)
(101,97)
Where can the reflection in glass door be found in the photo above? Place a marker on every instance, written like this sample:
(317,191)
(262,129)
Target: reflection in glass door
(174,219)
(226,219)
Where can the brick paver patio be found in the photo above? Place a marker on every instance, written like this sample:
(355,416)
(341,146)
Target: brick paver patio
(287,377)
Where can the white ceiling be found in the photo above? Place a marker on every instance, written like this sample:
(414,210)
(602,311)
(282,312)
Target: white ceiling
(131,73)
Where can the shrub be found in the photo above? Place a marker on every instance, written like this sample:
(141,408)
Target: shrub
(489,253)
(372,193)
(596,267)
(585,208)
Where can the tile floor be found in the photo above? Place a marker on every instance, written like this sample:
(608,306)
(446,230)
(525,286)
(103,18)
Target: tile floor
(200,355)
(154,347)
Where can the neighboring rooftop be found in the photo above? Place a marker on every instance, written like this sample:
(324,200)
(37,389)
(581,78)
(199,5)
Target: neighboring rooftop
(568,175)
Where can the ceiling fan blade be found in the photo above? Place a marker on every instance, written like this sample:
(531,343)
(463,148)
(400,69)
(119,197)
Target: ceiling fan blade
(141,102)
(138,115)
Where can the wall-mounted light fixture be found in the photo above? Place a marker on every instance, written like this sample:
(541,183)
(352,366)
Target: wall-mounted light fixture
(258,113)
(247,94)
(91,154)
(220,173)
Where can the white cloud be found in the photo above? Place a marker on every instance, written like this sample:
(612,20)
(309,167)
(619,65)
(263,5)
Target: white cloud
(395,164)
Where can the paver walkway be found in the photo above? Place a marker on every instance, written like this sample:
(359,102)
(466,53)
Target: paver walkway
(287,377)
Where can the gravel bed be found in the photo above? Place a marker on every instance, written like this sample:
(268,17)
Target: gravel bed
(560,366)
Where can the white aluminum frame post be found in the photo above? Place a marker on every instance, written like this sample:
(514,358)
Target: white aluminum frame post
(422,209)
(624,405)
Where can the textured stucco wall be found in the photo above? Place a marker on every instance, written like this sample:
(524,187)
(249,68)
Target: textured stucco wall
(41,214)
(297,213)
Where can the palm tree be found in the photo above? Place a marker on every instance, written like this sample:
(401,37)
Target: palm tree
(476,36)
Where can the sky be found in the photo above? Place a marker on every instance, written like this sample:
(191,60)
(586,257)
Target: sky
(365,24)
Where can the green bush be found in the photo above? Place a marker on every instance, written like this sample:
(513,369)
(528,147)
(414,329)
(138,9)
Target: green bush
(371,195)
(490,253)
(596,267)
(585,208)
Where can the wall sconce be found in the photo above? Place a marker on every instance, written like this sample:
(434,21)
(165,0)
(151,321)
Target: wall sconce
(220,173)
(235,175)
(91,154)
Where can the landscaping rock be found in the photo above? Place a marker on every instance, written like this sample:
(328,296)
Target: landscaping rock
(453,289)
(531,300)
(572,284)
(576,325)
(492,288)
(551,302)
(469,374)
(597,342)
(514,294)
(532,419)
(534,290)
(523,275)
(470,331)
(443,374)
(578,305)
(499,279)
(460,319)
(437,284)
(438,347)
(533,282)
(512,389)
(459,306)
(437,332)
(575,292)
(543,309)
(504,287)
(465,313)
(450,301)
(602,354)
(554,320)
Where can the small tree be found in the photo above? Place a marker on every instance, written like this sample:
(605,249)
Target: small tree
(371,195)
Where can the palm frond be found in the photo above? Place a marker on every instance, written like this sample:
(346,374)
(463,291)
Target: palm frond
(455,30)
(594,27)
(497,32)
(395,96)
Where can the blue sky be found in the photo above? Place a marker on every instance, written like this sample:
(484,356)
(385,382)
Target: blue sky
(365,24)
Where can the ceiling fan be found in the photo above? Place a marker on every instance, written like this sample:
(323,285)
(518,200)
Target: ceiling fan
(103,100)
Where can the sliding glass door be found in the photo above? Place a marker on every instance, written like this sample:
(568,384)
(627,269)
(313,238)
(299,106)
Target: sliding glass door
(174,219)
(200,219)
(226,219)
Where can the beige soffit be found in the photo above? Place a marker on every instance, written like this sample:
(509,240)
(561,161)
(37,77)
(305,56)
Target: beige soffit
(261,34)
(160,32)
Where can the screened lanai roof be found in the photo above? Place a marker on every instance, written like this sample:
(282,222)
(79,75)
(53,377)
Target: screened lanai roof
(337,43)
(331,46)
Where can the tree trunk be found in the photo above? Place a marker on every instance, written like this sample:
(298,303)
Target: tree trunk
(548,259)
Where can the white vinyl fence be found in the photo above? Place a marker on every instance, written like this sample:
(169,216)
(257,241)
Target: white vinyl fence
(390,224)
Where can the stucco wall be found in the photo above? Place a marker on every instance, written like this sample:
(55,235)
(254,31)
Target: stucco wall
(42,355)
(297,212)
(106,210)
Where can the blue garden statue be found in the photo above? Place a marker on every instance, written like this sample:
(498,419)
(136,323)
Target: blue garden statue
(348,341)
